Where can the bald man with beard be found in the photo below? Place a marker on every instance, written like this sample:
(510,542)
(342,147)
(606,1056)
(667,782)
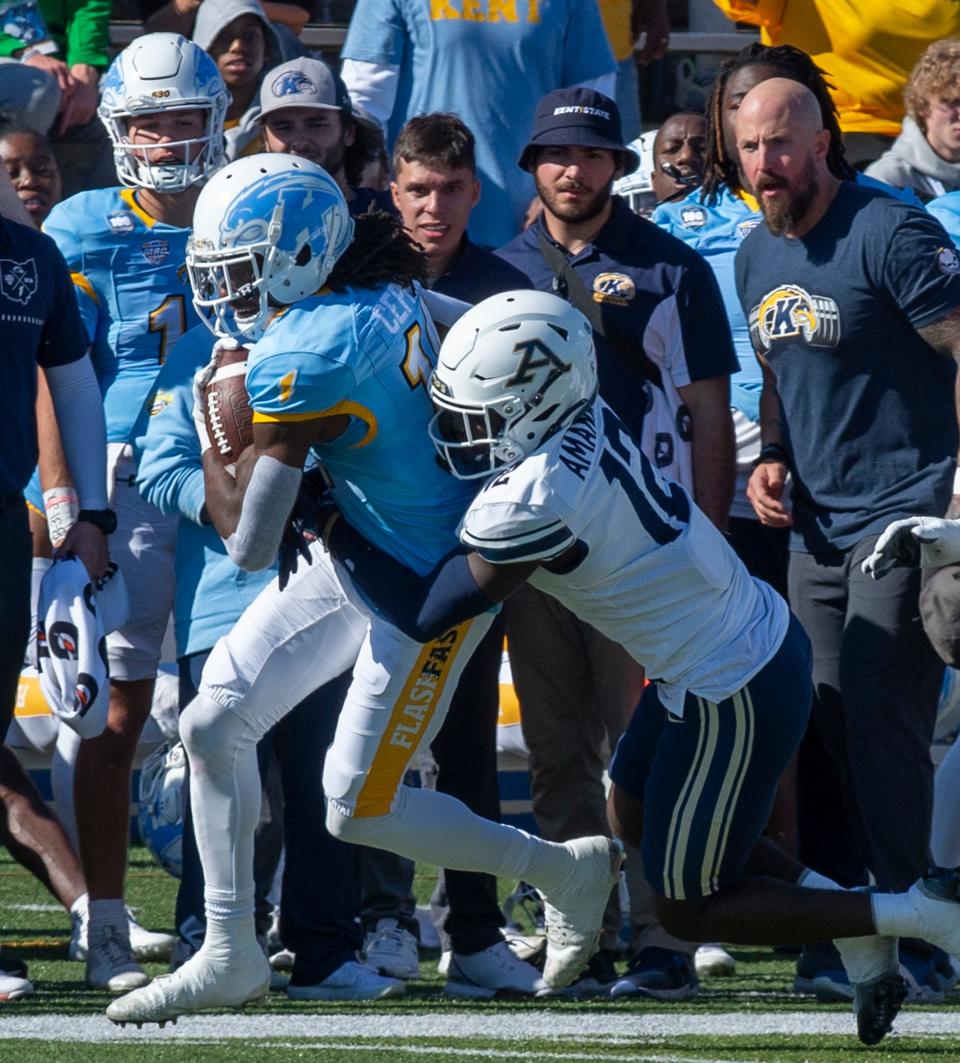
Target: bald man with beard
(853,300)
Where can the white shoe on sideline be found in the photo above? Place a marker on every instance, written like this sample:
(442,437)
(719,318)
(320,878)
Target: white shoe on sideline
(350,981)
(392,951)
(936,898)
(110,963)
(492,972)
(145,945)
(14,984)
(200,984)
(574,910)
(713,961)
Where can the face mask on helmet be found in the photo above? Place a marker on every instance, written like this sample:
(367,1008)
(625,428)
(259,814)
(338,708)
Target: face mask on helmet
(511,372)
(160,74)
(268,229)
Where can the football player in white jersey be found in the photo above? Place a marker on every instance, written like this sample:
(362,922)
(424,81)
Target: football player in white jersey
(569,503)
(343,372)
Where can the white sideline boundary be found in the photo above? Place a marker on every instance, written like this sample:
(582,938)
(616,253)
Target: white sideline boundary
(602,1028)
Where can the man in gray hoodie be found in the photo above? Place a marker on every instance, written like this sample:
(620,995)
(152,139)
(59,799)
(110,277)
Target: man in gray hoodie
(244,44)
(926,155)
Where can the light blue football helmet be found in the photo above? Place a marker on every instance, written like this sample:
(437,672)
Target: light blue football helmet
(162,72)
(267,229)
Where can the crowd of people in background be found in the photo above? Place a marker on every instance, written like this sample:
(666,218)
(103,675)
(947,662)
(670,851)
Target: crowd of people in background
(773,292)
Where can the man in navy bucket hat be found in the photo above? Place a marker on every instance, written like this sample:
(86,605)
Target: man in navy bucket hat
(582,117)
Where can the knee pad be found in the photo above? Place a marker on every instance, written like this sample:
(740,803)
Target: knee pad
(210,730)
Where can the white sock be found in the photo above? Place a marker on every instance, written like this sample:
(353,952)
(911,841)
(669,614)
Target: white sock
(224,800)
(895,915)
(434,828)
(813,880)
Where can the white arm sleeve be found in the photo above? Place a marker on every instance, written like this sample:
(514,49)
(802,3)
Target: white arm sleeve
(372,86)
(79,408)
(263,516)
(606,83)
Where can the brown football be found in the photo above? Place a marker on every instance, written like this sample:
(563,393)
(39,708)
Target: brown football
(226,407)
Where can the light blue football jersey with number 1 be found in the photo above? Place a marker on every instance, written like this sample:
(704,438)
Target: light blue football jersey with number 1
(367,353)
(134,295)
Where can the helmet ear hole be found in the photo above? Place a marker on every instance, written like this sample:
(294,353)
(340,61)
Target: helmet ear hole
(303,255)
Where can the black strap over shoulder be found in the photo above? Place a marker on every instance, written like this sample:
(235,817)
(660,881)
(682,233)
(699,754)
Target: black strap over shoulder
(568,285)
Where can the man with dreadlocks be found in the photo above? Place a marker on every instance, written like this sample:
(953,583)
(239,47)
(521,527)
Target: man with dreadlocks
(343,372)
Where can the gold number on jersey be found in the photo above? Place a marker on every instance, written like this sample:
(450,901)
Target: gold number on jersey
(170,320)
(418,359)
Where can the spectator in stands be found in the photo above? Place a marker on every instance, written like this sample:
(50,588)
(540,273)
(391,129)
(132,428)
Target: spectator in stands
(32,167)
(242,42)
(179,16)
(885,303)
(664,358)
(866,52)
(403,58)
(58,52)
(926,155)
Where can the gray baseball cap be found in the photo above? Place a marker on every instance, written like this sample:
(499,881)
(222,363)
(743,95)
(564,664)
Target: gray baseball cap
(303,82)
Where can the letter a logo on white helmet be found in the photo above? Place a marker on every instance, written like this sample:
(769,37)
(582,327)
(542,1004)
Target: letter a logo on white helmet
(511,372)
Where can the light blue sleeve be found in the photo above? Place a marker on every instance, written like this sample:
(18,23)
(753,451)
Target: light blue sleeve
(64,225)
(946,209)
(377,33)
(170,474)
(586,49)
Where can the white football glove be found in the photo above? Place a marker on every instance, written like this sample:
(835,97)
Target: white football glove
(200,380)
(914,542)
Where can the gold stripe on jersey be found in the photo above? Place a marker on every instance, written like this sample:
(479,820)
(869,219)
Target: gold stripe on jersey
(351,409)
(729,795)
(126,194)
(85,286)
(678,834)
(412,712)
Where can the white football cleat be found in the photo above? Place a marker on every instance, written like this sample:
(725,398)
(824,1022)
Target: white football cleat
(110,963)
(574,910)
(200,984)
(936,898)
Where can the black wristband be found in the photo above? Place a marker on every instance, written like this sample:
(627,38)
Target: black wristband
(104,519)
(772,452)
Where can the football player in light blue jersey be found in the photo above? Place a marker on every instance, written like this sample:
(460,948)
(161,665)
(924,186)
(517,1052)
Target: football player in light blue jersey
(163,104)
(343,371)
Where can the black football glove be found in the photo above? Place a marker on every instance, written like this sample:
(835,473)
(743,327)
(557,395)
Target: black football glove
(310,513)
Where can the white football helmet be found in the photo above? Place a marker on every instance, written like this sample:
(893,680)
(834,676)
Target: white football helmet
(266,228)
(162,72)
(511,372)
(636,188)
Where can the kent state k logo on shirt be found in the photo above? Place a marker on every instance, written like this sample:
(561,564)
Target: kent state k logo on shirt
(789,312)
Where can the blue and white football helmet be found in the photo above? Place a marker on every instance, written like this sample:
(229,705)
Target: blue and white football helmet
(162,72)
(267,229)
(163,795)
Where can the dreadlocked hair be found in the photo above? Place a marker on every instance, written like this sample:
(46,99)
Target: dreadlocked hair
(382,252)
(791,63)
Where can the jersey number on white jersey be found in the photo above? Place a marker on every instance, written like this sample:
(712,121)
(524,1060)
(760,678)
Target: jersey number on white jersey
(662,507)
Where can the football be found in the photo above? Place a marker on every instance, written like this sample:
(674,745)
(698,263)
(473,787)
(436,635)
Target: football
(226,408)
